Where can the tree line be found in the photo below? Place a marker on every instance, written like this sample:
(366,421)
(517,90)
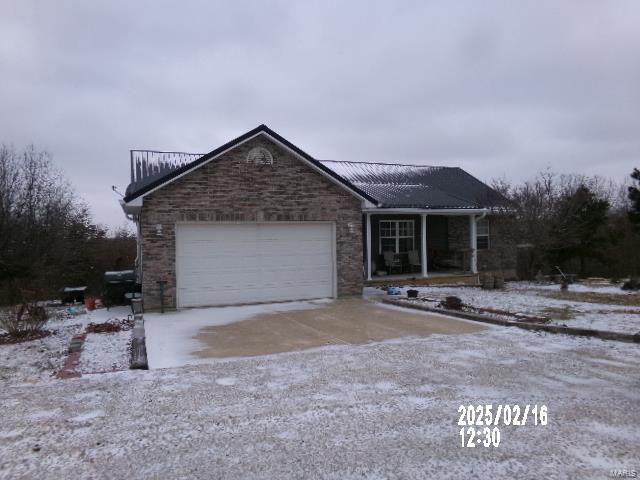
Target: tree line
(48,239)
(585,225)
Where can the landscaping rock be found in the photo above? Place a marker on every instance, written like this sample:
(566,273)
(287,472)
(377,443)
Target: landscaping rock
(452,303)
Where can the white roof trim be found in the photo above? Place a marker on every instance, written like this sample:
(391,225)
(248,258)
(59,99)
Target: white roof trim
(432,211)
(133,207)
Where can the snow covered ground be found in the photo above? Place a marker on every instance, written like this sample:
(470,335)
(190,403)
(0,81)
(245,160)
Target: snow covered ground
(383,410)
(528,298)
(171,335)
(574,287)
(39,359)
(104,352)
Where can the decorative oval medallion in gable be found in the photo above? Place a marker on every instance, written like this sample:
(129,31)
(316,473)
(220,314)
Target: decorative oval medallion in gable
(260,156)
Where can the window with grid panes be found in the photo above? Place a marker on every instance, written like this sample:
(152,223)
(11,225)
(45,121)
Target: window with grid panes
(482,234)
(396,236)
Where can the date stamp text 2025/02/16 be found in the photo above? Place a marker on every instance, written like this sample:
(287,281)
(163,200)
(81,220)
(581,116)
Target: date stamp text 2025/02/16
(480,424)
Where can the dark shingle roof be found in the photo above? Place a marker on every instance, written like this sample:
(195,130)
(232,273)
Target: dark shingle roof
(385,185)
(414,186)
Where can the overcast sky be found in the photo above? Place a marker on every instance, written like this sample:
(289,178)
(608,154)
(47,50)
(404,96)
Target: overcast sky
(500,88)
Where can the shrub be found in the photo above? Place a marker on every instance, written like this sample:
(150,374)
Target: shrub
(452,303)
(23,319)
(632,284)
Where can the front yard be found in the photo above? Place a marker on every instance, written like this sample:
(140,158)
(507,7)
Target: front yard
(583,306)
(43,358)
(383,409)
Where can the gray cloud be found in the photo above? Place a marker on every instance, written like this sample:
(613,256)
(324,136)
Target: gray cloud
(497,87)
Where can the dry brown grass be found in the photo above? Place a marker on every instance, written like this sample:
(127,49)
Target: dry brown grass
(631,300)
(7,339)
(560,313)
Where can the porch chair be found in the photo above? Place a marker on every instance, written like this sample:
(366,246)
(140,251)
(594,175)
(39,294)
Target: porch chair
(392,261)
(414,261)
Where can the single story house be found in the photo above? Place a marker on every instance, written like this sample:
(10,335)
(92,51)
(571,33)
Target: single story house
(260,220)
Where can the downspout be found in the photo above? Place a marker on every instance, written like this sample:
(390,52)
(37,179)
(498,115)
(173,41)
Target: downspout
(484,214)
(133,213)
(137,270)
(138,263)
(473,222)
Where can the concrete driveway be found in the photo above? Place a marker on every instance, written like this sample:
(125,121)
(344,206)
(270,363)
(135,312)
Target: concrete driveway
(342,322)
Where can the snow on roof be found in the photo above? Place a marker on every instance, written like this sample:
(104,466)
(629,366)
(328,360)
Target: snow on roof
(388,185)
(416,186)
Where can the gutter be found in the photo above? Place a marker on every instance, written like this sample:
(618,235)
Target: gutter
(433,211)
(131,209)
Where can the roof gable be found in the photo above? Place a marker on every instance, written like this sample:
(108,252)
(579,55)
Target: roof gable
(137,191)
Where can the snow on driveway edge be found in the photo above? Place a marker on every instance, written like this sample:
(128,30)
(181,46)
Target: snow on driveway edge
(171,336)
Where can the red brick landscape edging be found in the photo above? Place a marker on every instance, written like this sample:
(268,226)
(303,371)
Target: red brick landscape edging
(138,356)
(73,359)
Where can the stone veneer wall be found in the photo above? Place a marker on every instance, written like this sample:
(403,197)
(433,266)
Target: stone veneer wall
(229,189)
(499,258)
(459,240)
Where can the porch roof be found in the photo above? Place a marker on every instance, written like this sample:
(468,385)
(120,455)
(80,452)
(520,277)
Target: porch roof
(414,186)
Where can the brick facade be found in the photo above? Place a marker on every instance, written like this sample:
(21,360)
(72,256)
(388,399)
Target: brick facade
(230,189)
(458,230)
(500,258)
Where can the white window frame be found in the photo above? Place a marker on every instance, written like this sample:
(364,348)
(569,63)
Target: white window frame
(487,235)
(397,235)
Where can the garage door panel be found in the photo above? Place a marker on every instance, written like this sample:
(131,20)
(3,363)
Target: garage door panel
(225,262)
(217,249)
(229,266)
(306,273)
(244,263)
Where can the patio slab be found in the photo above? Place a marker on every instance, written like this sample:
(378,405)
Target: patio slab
(348,321)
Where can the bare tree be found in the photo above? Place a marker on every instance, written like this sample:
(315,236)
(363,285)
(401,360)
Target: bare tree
(541,223)
(38,209)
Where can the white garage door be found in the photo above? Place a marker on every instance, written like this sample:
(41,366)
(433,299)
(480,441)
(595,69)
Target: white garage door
(223,264)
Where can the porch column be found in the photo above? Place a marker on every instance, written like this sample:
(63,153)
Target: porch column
(474,245)
(368,233)
(423,249)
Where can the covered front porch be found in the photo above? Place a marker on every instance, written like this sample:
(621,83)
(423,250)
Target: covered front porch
(421,245)
(453,278)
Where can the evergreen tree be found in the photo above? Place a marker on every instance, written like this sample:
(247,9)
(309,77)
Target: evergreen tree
(579,229)
(634,196)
